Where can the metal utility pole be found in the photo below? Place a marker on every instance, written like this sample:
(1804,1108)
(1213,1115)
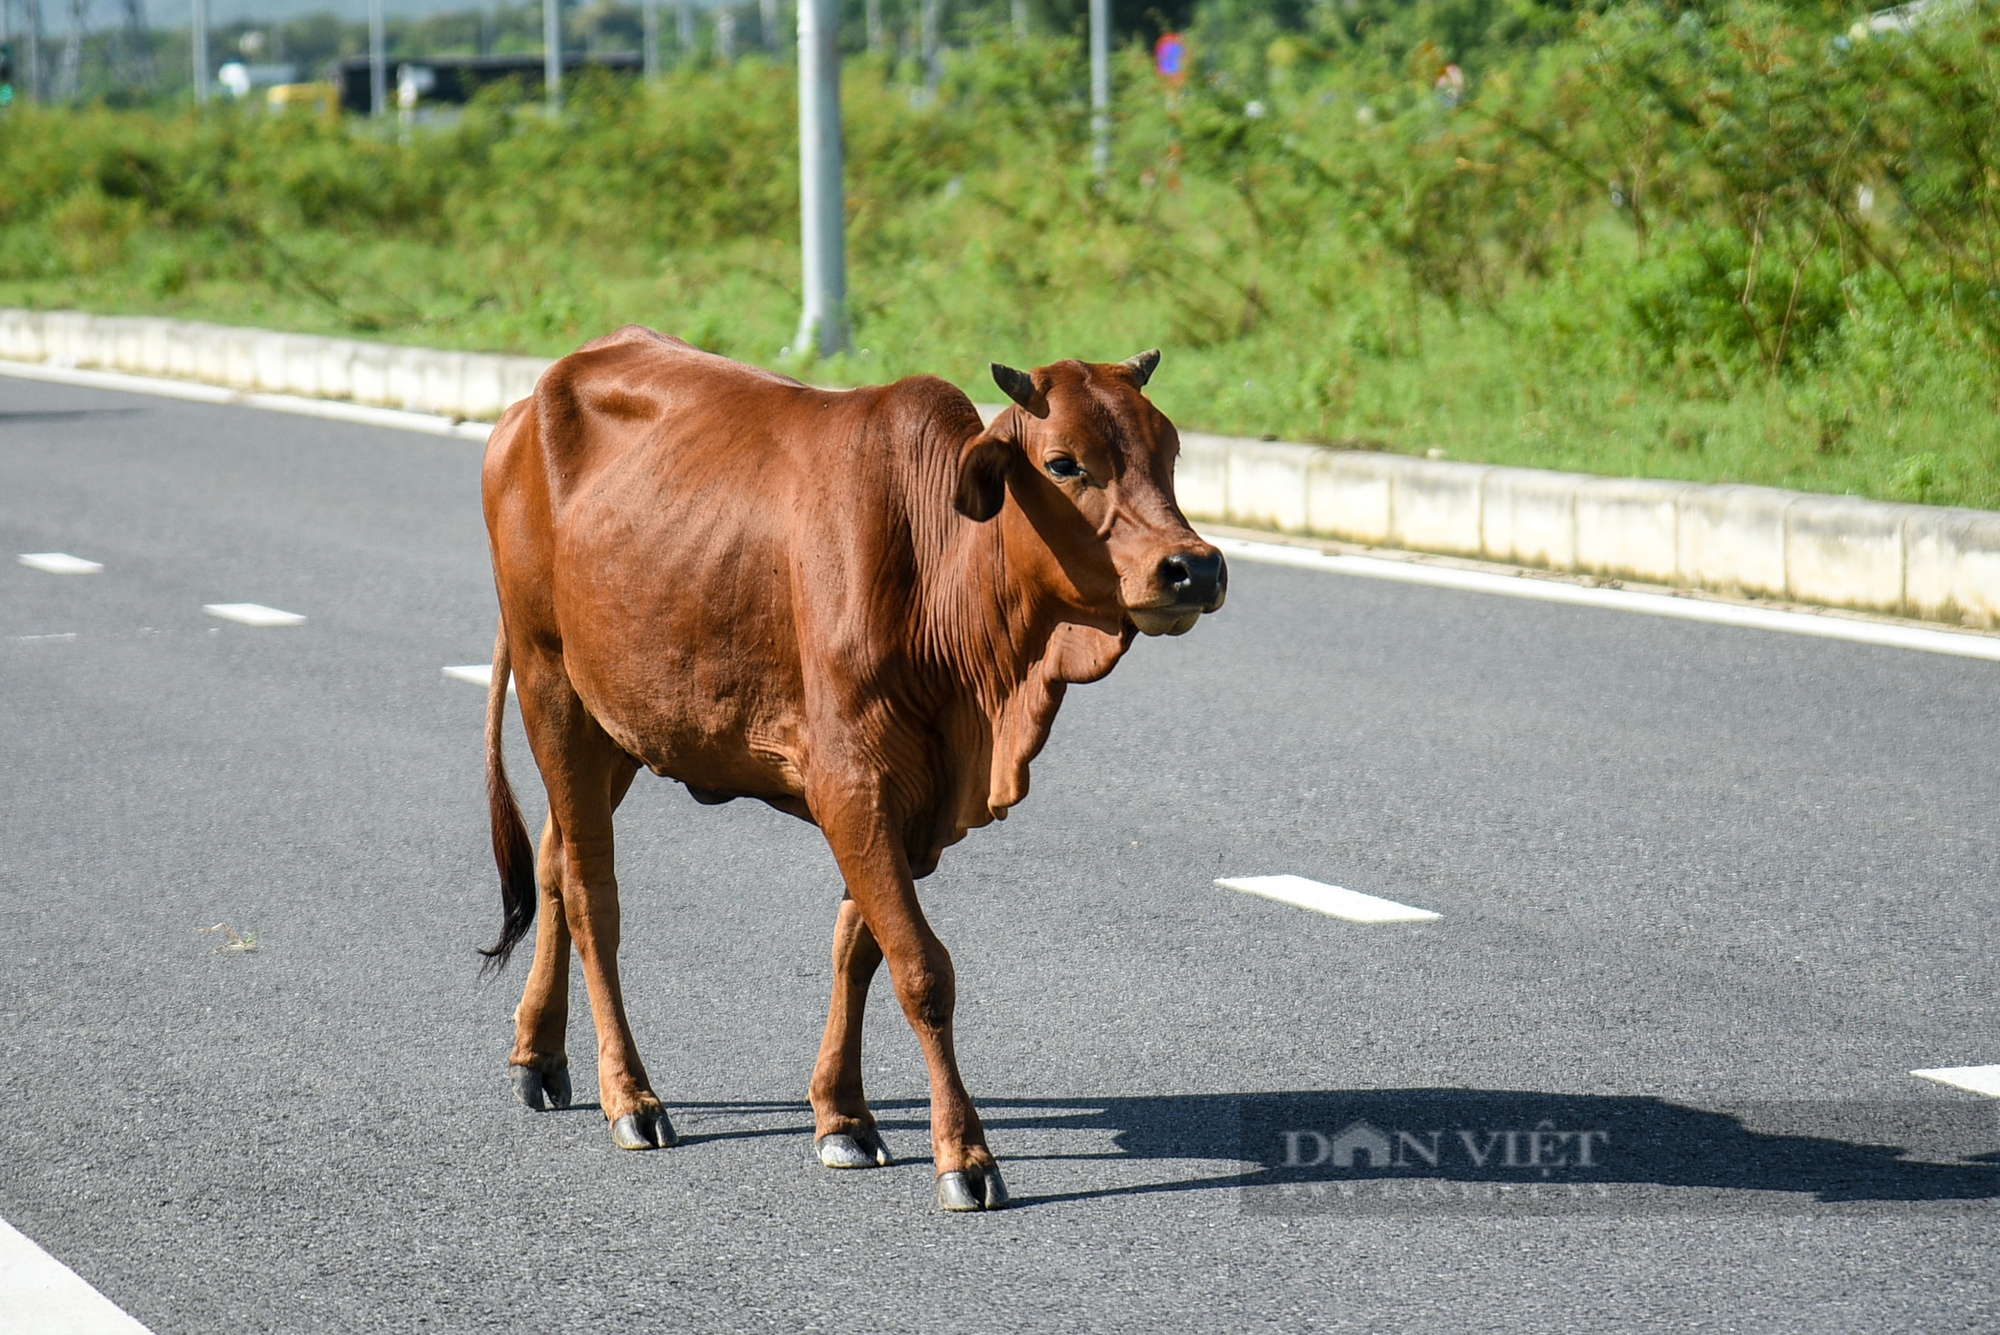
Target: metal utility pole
(198,30)
(684,29)
(725,34)
(649,22)
(1100,86)
(767,24)
(33,16)
(552,54)
(70,71)
(1021,22)
(872,15)
(378,61)
(927,20)
(822,197)
(137,55)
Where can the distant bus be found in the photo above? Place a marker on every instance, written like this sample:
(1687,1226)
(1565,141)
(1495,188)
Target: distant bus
(457,78)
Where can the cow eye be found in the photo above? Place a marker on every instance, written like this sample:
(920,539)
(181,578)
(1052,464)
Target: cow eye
(1064,467)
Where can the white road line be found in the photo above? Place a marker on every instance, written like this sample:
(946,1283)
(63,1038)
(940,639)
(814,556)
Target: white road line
(40,1294)
(253,614)
(1979,1079)
(283,403)
(60,563)
(1328,899)
(44,639)
(479,674)
(1960,643)
(1957,643)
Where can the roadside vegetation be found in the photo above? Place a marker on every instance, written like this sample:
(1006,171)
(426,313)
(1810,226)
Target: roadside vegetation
(1736,240)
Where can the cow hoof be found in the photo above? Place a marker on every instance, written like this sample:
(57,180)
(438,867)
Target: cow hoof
(972,1190)
(541,1090)
(863,1149)
(645,1130)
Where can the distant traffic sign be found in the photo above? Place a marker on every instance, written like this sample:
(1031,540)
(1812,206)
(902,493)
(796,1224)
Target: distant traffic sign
(1170,57)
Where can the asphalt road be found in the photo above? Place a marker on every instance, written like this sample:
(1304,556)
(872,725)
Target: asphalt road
(1709,892)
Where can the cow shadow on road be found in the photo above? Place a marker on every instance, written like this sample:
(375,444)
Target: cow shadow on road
(1514,1151)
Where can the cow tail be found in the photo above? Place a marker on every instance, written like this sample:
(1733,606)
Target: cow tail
(512,851)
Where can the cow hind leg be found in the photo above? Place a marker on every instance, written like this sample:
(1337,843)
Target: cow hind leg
(590,904)
(586,775)
(844,1133)
(539,1064)
(590,908)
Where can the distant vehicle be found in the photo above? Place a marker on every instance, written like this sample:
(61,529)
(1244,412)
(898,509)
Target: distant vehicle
(1903,18)
(456,79)
(239,80)
(317,99)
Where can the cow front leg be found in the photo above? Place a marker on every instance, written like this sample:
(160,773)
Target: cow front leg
(844,1131)
(879,882)
(539,1064)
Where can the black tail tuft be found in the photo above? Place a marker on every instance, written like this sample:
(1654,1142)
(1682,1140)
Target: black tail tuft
(512,851)
(515,856)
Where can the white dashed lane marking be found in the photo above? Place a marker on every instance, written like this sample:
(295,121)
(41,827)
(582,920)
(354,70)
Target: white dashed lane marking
(60,563)
(1331,900)
(40,1293)
(479,674)
(253,614)
(1979,1079)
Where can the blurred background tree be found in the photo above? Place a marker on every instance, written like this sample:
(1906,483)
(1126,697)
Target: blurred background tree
(1736,239)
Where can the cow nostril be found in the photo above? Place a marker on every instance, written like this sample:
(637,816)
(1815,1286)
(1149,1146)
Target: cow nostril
(1194,578)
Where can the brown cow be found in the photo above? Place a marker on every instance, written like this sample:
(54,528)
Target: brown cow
(861,607)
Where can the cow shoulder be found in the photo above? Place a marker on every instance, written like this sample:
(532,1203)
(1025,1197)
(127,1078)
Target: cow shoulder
(925,412)
(880,465)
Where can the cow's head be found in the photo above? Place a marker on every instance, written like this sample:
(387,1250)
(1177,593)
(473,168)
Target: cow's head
(1090,461)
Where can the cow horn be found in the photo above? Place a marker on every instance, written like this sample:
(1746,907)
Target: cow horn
(1142,365)
(1019,385)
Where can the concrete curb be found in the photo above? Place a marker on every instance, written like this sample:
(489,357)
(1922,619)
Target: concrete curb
(473,386)
(1927,562)
(1921,561)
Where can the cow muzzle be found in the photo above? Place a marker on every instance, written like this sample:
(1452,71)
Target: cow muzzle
(1192,582)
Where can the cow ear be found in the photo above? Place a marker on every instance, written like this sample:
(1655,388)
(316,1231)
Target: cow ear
(983,466)
(1142,365)
(1020,387)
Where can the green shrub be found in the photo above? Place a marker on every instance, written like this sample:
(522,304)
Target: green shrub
(1725,239)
